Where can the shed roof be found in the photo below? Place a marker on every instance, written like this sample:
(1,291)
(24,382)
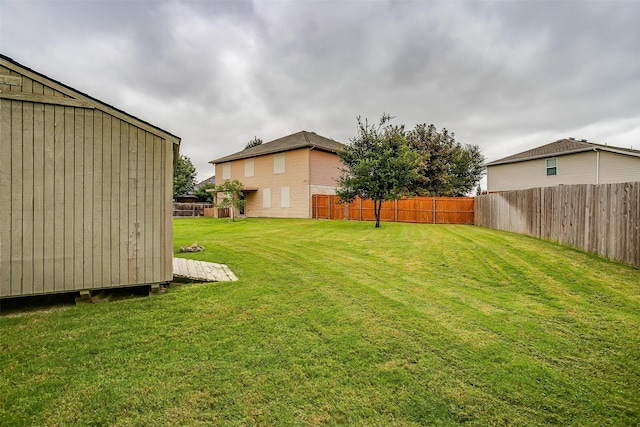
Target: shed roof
(563,147)
(302,139)
(74,93)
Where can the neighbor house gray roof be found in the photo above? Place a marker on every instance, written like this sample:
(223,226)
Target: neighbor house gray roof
(563,147)
(210,180)
(302,139)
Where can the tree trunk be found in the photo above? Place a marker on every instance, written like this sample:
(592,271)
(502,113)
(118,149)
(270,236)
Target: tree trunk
(377,204)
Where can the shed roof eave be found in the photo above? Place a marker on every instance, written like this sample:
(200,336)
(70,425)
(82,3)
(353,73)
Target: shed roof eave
(61,87)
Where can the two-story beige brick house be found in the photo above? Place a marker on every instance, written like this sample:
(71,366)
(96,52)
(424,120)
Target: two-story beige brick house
(564,162)
(280,176)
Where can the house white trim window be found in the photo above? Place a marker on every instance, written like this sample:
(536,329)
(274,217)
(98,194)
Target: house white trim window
(284,197)
(266,198)
(226,171)
(248,167)
(278,163)
(552,166)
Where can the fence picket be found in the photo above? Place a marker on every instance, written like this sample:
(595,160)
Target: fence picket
(600,218)
(444,210)
(189,209)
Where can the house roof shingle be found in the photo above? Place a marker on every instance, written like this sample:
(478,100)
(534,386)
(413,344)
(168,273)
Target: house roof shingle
(210,180)
(562,147)
(302,139)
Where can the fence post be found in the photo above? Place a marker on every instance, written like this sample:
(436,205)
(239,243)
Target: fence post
(395,219)
(433,211)
(488,209)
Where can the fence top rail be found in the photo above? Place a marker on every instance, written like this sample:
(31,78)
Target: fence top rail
(191,203)
(432,210)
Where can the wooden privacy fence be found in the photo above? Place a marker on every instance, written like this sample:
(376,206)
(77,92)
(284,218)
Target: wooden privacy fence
(425,210)
(603,218)
(189,209)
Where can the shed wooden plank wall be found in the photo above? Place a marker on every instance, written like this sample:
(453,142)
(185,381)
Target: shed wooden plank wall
(604,219)
(85,195)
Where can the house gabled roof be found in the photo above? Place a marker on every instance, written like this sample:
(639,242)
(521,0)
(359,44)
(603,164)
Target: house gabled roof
(302,139)
(563,147)
(210,180)
(75,98)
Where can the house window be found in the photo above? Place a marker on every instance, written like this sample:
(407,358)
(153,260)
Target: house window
(278,163)
(552,167)
(226,171)
(284,197)
(266,198)
(248,167)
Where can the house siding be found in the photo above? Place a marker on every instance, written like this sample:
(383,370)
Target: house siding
(85,194)
(294,177)
(577,168)
(324,168)
(616,168)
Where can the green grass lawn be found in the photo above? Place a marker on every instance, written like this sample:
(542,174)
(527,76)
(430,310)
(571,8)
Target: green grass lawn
(339,323)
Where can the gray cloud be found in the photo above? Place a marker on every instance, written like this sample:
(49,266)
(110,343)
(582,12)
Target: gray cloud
(506,75)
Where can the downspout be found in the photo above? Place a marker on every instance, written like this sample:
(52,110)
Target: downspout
(310,214)
(597,166)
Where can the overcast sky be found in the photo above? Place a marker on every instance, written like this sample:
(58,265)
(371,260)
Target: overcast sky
(506,75)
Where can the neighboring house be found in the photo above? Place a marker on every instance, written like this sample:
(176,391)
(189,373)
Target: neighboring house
(564,162)
(280,176)
(191,197)
(209,181)
(85,190)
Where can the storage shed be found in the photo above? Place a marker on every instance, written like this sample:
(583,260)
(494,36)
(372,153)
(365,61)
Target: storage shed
(85,190)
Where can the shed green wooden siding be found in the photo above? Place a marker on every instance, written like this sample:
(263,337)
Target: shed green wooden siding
(85,192)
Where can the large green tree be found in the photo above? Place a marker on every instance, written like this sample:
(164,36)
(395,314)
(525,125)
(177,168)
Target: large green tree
(253,143)
(467,170)
(203,195)
(435,151)
(184,178)
(445,167)
(378,165)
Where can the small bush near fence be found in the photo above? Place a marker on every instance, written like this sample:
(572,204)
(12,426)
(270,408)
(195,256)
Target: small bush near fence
(189,209)
(425,210)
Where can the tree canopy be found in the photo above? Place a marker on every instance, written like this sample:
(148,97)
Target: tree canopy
(253,143)
(184,178)
(385,162)
(203,195)
(446,167)
(378,164)
(467,169)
